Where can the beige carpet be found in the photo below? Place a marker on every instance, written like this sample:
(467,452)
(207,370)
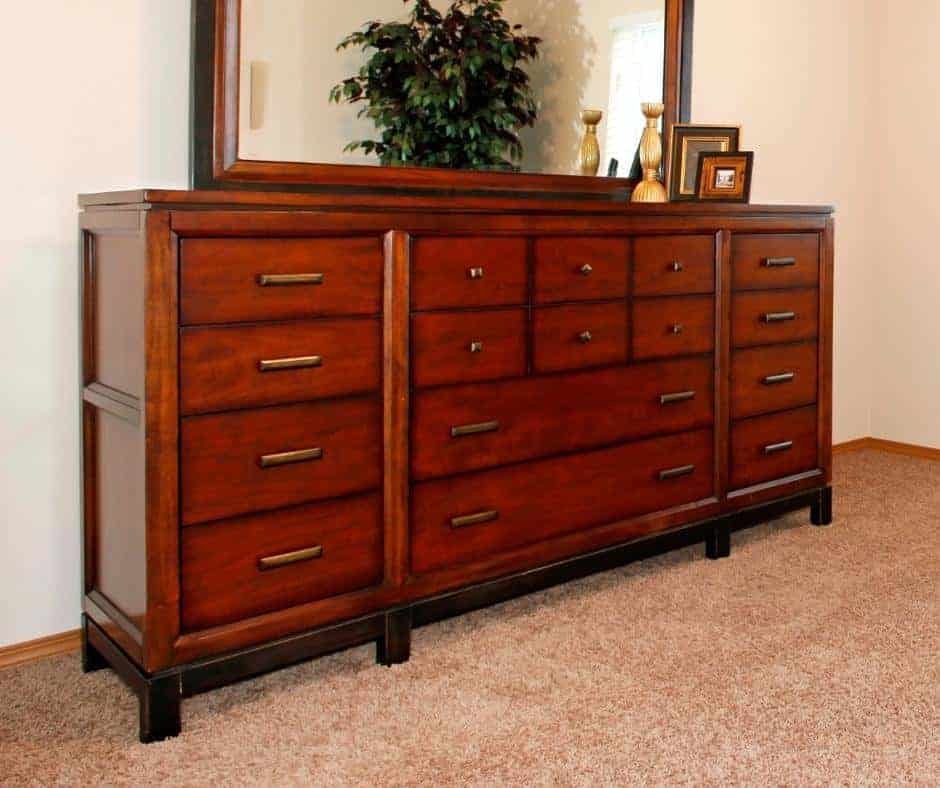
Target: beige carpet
(810,657)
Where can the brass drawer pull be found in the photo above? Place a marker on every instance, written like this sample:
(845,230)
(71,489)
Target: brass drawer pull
(779,262)
(676,267)
(474,519)
(777,448)
(672,399)
(587,269)
(474,429)
(301,362)
(476,273)
(476,347)
(779,317)
(677,329)
(281,280)
(676,473)
(585,337)
(776,380)
(277,561)
(290,457)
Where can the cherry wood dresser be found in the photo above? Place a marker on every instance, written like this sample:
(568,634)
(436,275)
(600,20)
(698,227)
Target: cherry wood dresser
(312,422)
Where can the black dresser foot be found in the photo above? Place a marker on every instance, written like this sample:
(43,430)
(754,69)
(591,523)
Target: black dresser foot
(91,657)
(718,544)
(395,646)
(821,512)
(160,701)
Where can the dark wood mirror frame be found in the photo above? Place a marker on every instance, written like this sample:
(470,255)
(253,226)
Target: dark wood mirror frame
(214,153)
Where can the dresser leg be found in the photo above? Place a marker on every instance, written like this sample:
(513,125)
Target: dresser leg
(718,544)
(160,701)
(821,512)
(395,646)
(91,657)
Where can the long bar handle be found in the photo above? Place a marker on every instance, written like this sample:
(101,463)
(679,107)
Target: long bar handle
(474,429)
(779,262)
(290,457)
(474,519)
(779,317)
(283,280)
(299,362)
(286,559)
(680,396)
(783,377)
(777,448)
(676,473)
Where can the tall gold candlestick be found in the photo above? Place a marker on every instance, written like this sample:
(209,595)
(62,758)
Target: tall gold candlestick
(589,157)
(650,189)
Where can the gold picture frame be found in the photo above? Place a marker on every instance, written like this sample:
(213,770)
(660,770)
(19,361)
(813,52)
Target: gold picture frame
(687,143)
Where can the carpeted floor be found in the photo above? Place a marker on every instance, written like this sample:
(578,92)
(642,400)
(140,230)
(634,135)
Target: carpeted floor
(812,656)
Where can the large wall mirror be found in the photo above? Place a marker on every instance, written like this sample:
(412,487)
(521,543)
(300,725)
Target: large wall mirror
(264,69)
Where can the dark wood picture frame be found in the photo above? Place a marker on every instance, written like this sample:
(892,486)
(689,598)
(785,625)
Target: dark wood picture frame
(214,134)
(675,171)
(741,161)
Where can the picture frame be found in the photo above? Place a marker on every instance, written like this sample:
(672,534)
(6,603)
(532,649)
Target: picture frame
(725,177)
(688,141)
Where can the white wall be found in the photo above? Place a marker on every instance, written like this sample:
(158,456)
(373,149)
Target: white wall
(95,97)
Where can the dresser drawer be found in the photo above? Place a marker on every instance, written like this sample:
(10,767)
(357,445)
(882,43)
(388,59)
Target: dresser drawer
(478,516)
(451,273)
(467,428)
(674,265)
(773,447)
(227,367)
(765,262)
(248,461)
(577,336)
(226,280)
(768,318)
(463,347)
(235,569)
(774,378)
(580,269)
(681,326)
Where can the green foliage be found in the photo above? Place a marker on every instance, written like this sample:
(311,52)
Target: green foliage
(444,90)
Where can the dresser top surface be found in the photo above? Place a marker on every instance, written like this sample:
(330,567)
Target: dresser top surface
(416,201)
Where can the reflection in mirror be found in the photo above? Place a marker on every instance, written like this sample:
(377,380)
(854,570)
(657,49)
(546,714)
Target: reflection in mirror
(595,54)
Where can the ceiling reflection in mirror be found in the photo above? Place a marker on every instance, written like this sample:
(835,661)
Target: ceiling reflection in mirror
(605,55)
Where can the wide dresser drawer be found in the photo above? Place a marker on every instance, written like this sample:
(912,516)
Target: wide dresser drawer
(455,273)
(767,448)
(235,569)
(466,428)
(767,262)
(228,367)
(580,269)
(248,461)
(476,516)
(773,317)
(228,280)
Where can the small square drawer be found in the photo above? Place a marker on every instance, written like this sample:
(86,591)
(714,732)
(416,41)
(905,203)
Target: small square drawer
(773,447)
(765,262)
(460,347)
(231,280)
(666,327)
(228,367)
(674,265)
(774,317)
(235,569)
(578,336)
(580,269)
(769,379)
(252,460)
(452,273)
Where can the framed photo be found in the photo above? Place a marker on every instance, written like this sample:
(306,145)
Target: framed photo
(725,177)
(688,141)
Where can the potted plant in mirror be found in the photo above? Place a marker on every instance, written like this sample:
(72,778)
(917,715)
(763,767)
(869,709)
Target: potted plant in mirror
(444,89)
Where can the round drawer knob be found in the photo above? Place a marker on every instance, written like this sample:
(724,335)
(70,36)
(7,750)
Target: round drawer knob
(476,273)
(587,269)
(677,267)
(585,337)
(678,328)
(476,347)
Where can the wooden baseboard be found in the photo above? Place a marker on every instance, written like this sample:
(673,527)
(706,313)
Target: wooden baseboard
(893,447)
(52,646)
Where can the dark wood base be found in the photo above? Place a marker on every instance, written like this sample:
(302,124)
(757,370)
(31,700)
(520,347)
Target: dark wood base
(160,694)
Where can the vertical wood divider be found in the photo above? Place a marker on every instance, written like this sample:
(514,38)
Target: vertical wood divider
(723,362)
(396,381)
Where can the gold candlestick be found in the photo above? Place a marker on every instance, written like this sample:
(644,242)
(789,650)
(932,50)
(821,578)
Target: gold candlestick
(589,157)
(650,189)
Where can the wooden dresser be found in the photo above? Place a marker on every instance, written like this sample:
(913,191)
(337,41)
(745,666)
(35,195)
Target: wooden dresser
(313,422)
